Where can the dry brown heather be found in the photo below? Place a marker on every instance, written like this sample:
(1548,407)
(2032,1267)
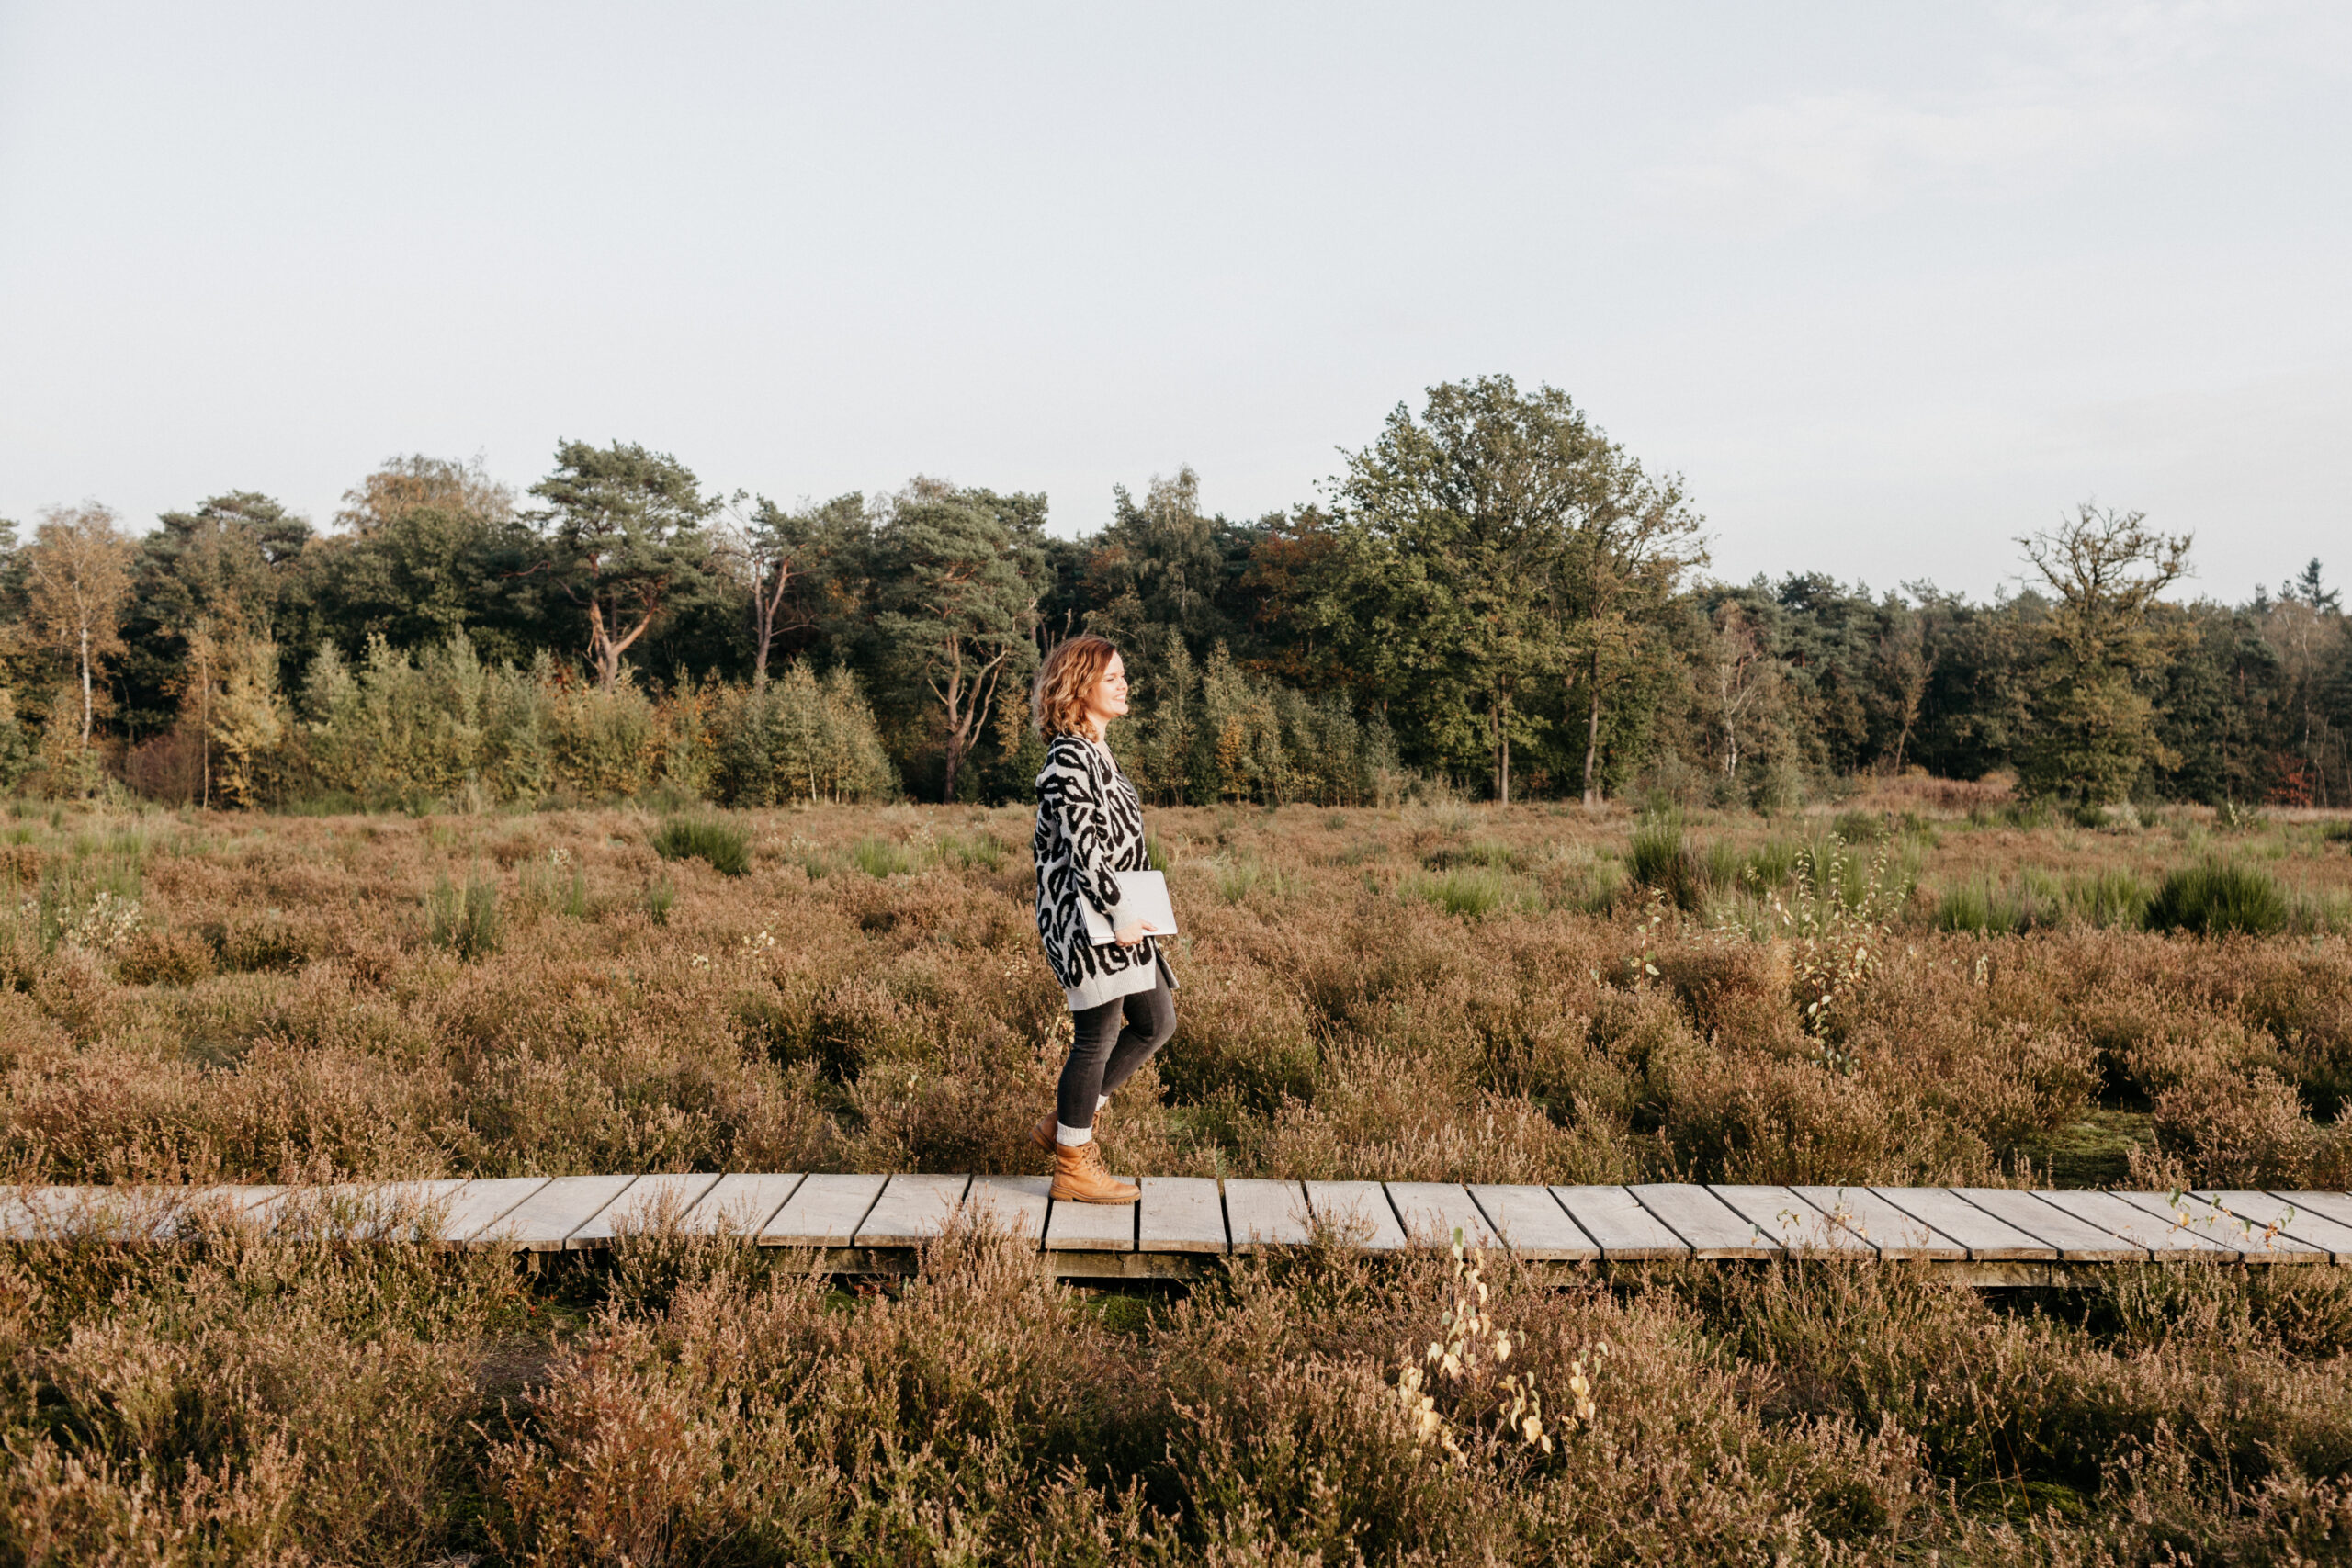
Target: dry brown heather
(869,995)
(292,999)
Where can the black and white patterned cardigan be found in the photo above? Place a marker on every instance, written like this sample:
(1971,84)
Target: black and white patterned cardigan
(1090,829)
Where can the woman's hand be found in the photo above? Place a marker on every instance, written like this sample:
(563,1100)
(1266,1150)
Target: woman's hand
(1127,936)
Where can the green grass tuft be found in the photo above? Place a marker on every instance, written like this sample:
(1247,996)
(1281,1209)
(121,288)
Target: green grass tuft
(881,857)
(2111,900)
(1470,891)
(2217,898)
(982,851)
(467,924)
(1660,857)
(726,848)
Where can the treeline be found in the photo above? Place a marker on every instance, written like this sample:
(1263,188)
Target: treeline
(1493,597)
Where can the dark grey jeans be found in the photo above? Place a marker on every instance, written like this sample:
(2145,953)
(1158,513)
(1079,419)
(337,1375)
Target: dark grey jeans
(1105,1055)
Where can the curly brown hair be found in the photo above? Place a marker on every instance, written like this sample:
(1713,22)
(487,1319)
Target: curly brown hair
(1071,670)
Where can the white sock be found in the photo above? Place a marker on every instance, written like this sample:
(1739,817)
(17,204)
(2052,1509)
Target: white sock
(1101,1100)
(1071,1137)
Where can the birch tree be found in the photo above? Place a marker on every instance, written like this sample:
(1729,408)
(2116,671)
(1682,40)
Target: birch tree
(77,572)
(1626,544)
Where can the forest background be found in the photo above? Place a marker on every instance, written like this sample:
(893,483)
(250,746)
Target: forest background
(1491,598)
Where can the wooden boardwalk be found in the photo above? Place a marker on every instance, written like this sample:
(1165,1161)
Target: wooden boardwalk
(876,1223)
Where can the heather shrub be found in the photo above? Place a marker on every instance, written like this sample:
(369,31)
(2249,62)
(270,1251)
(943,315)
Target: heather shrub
(761,1420)
(163,958)
(252,1400)
(1241,1036)
(1740,990)
(2248,1130)
(245,943)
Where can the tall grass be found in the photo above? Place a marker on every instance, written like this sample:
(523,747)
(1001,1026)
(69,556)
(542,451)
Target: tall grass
(1465,890)
(723,846)
(2217,898)
(882,857)
(976,852)
(467,923)
(1236,877)
(1773,862)
(1660,857)
(2035,900)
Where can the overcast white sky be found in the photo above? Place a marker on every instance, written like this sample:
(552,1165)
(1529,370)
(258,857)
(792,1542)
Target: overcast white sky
(1889,284)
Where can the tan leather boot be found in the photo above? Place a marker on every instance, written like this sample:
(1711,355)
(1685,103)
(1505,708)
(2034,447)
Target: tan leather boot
(1080,1177)
(1042,1135)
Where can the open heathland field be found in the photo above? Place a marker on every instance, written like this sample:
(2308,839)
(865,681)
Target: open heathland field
(1931,985)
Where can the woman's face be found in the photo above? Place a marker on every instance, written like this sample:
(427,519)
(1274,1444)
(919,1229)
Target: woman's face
(1108,699)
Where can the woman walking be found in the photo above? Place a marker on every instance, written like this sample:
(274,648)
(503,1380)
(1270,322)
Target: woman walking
(1090,830)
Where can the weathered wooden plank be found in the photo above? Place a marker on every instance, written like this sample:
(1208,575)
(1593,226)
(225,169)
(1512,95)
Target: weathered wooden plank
(1259,1215)
(740,1204)
(2267,1213)
(824,1210)
(2133,1223)
(1617,1221)
(650,1200)
(542,1222)
(1357,1213)
(1017,1204)
(252,1202)
(1802,1230)
(1533,1225)
(1703,1219)
(51,1213)
(2185,1216)
(479,1202)
(912,1209)
(39,1213)
(2335,1206)
(1440,1213)
(2077,1241)
(1880,1222)
(242,1202)
(1091,1227)
(1180,1214)
(1986,1238)
(368,1210)
(48,1212)
(1127,1265)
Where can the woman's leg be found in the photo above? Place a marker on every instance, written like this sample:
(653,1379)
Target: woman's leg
(1096,1033)
(1151,1019)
